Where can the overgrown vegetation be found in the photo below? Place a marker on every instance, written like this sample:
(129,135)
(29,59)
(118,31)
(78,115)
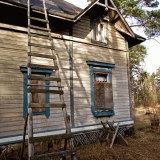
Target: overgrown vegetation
(143,145)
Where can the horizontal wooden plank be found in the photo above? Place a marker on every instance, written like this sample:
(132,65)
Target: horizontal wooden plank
(41,55)
(42,66)
(49,138)
(40,28)
(11,119)
(40,45)
(12,41)
(40,36)
(37,77)
(52,155)
(14,110)
(31,90)
(38,19)
(9,101)
(14,46)
(38,105)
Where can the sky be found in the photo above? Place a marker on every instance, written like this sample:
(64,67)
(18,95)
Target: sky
(152,61)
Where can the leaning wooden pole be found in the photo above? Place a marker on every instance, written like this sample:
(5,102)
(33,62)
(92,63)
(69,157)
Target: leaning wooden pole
(30,117)
(24,135)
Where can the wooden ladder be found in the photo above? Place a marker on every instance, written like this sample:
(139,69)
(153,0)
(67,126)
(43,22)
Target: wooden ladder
(31,54)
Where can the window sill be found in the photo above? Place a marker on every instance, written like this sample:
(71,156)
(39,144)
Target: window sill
(103,113)
(99,43)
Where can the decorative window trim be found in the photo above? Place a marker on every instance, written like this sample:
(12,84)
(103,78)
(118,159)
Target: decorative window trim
(47,73)
(104,68)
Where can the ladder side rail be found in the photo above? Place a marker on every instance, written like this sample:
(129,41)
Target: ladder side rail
(30,116)
(67,123)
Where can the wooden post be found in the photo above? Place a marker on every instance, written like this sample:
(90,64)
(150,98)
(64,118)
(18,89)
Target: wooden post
(24,134)
(71,79)
(30,118)
(114,136)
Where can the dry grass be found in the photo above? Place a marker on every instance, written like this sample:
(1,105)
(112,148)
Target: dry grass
(144,145)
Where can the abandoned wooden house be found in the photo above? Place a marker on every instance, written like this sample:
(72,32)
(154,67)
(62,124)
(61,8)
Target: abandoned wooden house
(91,48)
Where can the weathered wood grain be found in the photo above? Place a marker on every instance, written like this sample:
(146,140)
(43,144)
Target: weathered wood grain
(50,105)
(49,138)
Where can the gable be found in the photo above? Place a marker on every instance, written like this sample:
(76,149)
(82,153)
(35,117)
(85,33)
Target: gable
(60,9)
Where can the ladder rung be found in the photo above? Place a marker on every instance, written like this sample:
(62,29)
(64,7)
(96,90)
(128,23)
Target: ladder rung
(49,138)
(37,77)
(38,19)
(42,66)
(49,105)
(44,85)
(48,156)
(34,90)
(41,55)
(40,28)
(41,46)
(39,36)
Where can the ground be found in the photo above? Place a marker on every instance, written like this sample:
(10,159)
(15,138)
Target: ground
(143,145)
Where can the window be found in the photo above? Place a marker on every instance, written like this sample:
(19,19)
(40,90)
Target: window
(101,88)
(36,97)
(99,31)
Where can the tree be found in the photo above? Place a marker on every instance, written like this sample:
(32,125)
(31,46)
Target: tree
(157,80)
(137,56)
(141,13)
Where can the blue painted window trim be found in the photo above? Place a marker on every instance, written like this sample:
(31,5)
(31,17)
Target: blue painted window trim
(108,69)
(47,73)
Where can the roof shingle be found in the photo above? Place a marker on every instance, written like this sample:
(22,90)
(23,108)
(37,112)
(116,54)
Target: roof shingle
(53,6)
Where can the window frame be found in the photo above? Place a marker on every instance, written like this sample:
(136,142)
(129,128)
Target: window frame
(101,67)
(47,73)
(96,27)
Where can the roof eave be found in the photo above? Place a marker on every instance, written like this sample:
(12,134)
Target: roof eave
(132,41)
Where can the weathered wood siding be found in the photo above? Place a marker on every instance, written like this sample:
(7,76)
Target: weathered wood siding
(13,52)
(82,97)
(82,30)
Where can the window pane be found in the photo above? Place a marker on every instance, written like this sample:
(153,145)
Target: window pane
(38,97)
(102,32)
(100,77)
(96,31)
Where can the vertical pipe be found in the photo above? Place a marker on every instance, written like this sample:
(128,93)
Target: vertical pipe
(71,78)
(47,110)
